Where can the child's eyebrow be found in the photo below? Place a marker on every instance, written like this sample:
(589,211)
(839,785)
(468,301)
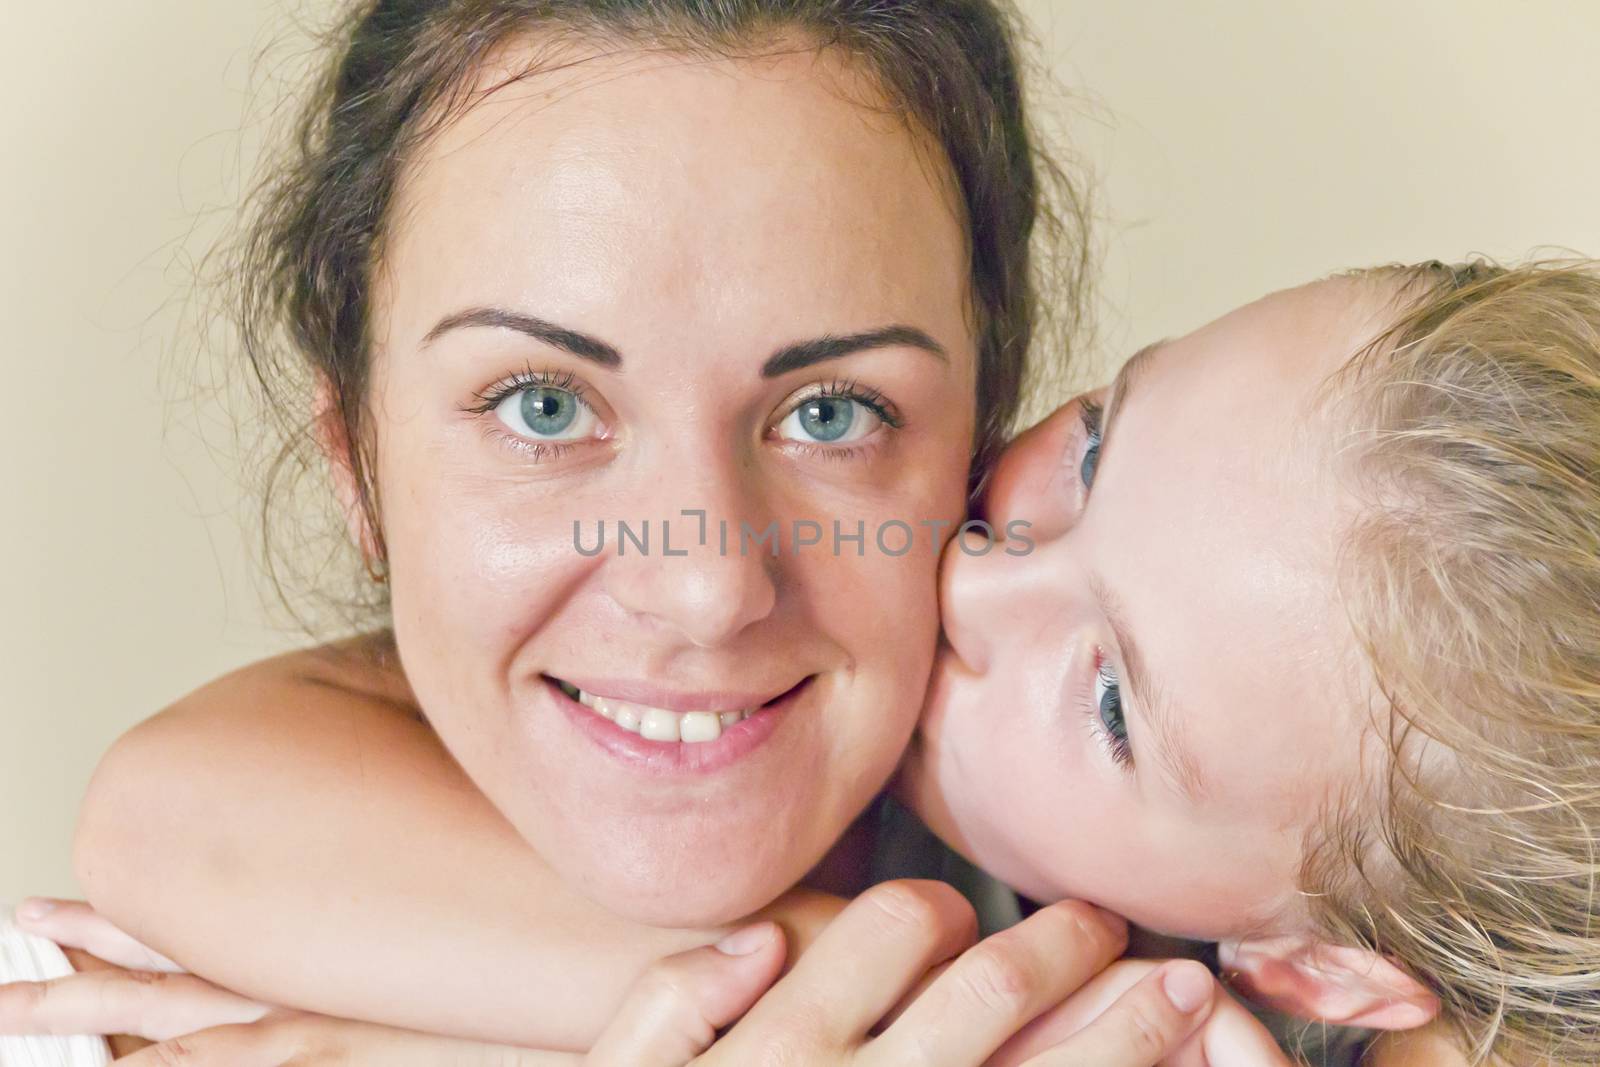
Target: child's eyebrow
(1175,757)
(1122,385)
(1164,719)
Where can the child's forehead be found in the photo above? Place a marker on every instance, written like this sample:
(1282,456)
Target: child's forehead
(1224,511)
(1252,399)
(1297,337)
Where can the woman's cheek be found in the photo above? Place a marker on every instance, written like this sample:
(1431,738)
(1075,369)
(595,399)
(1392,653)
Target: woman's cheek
(479,564)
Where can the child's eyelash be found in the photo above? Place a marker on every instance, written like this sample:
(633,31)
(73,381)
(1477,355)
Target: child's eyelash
(1118,748)
(1093,418)
(490,398)
(1093,415)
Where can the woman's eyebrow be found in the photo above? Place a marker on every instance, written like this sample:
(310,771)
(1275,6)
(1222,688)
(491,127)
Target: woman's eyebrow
(803,354)
(578,344)
(789,358)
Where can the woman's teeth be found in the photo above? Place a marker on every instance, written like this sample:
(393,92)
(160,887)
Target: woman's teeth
(659,724)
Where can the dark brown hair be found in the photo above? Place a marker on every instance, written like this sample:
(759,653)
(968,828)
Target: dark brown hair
(405,68)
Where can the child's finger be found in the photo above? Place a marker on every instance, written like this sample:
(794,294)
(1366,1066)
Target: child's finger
(222,1046)
(74,924)
(1232,1035)
(1146,1024)
(864,961)
(299,1040)
(673,1012)
(994,989)
(154,1006)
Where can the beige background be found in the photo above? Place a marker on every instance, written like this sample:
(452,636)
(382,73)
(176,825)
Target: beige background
(1241,147)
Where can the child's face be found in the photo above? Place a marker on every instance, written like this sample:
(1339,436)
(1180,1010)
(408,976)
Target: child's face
(1193,571)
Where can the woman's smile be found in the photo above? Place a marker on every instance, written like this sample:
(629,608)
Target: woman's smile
(678,732)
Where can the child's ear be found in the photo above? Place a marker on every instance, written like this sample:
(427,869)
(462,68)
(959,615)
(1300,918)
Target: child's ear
(333,442)
(1312,979)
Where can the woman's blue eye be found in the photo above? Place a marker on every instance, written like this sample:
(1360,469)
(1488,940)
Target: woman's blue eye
(546,413)
(1108,708)
(549,411)
(829,420)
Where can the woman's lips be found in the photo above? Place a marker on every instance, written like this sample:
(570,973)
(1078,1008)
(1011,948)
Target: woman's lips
(696,732)
(662,724)
(678,700)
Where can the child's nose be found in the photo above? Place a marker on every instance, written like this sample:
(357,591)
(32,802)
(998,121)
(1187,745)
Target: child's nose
(1036,479)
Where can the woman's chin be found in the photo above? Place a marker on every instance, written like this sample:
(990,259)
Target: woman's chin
(679,889)
(679,913)
(689,833)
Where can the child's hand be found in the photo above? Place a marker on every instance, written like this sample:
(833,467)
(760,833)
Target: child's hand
(74,924)
(887,983)
(893,981)
(142,993)
(1228,1033)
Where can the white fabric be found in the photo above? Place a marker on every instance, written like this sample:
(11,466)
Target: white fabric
(24,957)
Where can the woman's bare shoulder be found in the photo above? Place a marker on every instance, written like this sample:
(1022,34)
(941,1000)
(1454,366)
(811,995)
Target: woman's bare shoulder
(303,716)
(361,672)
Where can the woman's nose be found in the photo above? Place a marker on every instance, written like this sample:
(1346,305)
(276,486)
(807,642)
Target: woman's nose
(697,561)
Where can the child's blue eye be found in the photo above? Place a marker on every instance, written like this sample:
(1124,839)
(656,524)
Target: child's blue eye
(1091,451)
(1108,709)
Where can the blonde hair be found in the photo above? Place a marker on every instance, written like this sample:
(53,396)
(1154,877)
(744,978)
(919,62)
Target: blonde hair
(1473,579)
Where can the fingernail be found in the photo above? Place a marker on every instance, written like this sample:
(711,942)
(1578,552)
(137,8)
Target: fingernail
(34,909)
(744,942)
(1187,984)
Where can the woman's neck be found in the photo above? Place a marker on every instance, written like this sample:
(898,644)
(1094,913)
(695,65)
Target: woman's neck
(846,868)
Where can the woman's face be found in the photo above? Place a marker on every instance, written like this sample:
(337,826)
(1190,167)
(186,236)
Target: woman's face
(639,288)
(1150,708)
